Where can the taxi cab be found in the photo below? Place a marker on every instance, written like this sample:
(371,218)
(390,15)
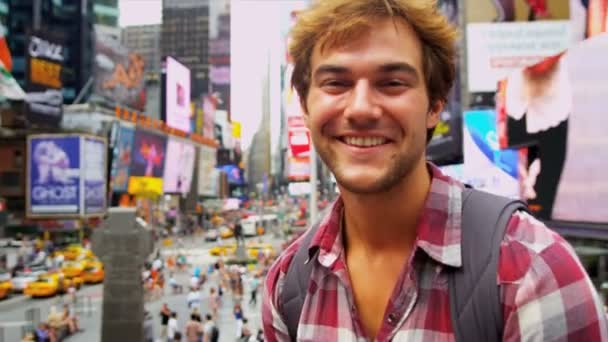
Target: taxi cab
(73,252)
(6,286)
(254,250)
(223,250)
(50,284)
(93,273)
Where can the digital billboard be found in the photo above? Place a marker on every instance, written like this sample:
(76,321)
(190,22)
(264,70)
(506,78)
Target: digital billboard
(177,95)
(94,175)
(147,163)
(54,178)
(119,73)
(179,166)
(121,161)
(556,111)
(207,185)
(44,65)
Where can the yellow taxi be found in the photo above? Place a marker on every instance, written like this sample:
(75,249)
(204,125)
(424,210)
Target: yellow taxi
(254,249)
(226,233)
(74,252)
(50,284)
(223,250)
(93,273)
(72,268)
(6,287)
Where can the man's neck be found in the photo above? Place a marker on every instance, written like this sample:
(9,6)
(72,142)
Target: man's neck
(386,221)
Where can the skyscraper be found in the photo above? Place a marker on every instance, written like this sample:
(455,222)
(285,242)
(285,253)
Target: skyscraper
(106,12)
(145,40)
(185,36)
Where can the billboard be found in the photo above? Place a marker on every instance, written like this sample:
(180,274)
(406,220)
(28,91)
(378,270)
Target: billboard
(94,175)
(556,111)
(118,73)
(147,164)
(121,160)
(177,95)
(207,185)
(179,166)
(208,117)
(486,166)
(219,52)
(66,176)
(44,97)
(54,178)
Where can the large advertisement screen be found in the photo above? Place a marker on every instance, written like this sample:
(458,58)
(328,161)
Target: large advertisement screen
(486,166)
(207,185)
(118,73)
(94,175)
(54,177)
(147,164)
(121,161)
(44,64)
(177,100)
(179,166)
(556,109)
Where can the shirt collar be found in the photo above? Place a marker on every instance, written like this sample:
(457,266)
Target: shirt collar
(439,228)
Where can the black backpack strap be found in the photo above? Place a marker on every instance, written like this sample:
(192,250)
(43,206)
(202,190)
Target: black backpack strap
(475,304)
(296,284)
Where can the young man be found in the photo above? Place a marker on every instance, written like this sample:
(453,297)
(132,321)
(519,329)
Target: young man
(373,76)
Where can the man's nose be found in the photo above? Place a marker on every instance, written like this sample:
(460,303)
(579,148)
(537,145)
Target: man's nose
(362,107)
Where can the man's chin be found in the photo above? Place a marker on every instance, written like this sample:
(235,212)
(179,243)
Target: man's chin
(365,185)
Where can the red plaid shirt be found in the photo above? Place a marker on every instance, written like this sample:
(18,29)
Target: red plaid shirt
(546,293)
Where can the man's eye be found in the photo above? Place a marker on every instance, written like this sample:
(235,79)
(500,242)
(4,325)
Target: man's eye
(335,83)
(393,83)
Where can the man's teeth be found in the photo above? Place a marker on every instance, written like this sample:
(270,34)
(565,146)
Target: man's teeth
(364,141)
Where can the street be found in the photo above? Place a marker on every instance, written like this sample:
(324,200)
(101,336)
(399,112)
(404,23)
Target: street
(17,311)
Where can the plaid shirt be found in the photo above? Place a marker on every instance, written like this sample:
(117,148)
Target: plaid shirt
(546,294)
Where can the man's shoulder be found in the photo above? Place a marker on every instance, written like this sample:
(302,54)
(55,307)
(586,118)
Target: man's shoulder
(279,268)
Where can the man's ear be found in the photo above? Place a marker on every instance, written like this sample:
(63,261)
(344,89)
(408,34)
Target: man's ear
(433,115)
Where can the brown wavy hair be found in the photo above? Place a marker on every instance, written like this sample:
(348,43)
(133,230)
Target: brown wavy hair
(333,23)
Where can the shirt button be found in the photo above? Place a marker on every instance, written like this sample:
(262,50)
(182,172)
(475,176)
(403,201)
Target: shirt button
(392,319)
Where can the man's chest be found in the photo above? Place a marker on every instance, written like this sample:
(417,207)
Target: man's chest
(418,309)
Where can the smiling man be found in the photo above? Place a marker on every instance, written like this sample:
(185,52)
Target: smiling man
(373,76)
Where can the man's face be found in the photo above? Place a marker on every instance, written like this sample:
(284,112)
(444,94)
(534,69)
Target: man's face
(368,109)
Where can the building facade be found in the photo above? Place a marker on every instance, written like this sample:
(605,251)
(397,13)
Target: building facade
(145,40)
(185,36)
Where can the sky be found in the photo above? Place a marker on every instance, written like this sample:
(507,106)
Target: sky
(140,12)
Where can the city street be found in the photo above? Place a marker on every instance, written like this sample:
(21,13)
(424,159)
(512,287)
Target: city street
(14,311)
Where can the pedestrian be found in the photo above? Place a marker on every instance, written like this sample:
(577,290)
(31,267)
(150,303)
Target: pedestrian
(172,327)
(211,331)
(165,315)
(413,244)
(238,316)
(238,232)
(214,302)
(193,299)
(254,285)
(245,332)
(193,329)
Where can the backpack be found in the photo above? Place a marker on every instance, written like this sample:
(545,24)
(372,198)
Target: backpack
(475,305)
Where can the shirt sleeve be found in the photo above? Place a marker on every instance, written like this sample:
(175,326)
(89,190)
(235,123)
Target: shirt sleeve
(275,329)
(547,294)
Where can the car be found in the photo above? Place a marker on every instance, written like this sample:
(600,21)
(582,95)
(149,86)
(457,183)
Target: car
(6,286)
(223,250)
(226,233)
(212,235)
(50,284)
(24,277)
(74,252)
(72,268)
(93,273)
(254,250)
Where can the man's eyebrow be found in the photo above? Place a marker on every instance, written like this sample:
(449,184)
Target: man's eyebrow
(399,67)
(330,69)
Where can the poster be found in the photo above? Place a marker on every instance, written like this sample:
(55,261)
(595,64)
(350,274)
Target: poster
(118,73)
(121,160)
(54,178)
(486,166)
(147,164)
(207,185)
(179,166)
(556,110)
(177,97)
(94,175)
(44,65)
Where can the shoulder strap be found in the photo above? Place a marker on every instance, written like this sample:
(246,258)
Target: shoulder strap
(475,305)
(296,283)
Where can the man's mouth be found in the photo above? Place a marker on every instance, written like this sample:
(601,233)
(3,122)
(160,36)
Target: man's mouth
(364,142)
